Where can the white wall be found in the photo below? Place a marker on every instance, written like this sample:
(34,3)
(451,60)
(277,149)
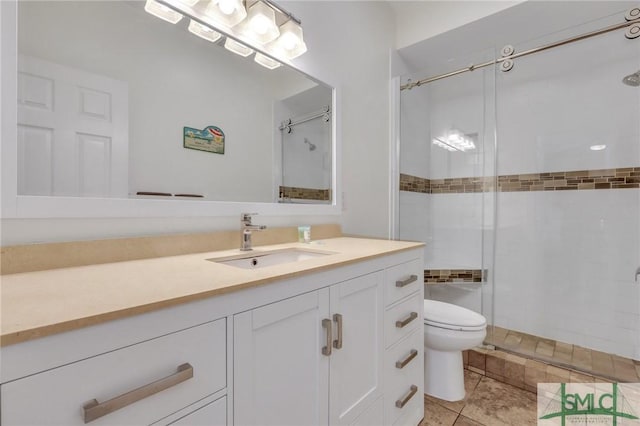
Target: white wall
(353,58)
(351,43)
(419,20)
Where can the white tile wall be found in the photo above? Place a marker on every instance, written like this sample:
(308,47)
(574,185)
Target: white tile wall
(564,267)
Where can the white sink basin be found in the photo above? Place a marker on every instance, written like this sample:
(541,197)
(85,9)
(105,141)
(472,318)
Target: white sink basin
(256,259)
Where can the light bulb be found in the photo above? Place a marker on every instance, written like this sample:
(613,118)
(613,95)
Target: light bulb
(260,24)
(227,13)
(227,6)
(289,41)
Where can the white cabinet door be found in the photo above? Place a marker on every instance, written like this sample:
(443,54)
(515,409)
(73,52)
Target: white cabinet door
(356,368)
(72,131)
(280,374)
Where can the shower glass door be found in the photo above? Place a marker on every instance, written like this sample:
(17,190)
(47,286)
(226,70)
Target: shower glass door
(568,228)
(447,191)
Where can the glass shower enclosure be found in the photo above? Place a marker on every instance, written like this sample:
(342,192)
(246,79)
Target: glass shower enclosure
(525,185)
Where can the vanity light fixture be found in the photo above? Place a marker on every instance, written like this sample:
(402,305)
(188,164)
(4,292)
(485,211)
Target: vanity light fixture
(237,48)
(203,31)
(163,12)
(597,147)
(229,13)
(267,29)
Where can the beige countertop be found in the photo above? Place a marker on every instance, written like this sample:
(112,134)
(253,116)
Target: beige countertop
(37,304)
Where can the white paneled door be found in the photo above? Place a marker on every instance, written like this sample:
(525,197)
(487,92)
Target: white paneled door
(72,131)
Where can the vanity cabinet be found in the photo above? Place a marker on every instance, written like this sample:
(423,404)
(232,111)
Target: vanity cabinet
(314,359)
(135,385)
(316,348)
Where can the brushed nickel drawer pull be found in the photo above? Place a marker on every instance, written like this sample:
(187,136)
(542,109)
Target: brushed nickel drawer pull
(338,342)
(402,402)
(407,360)
(326,324)
(411,317)
(94,410)
(411,279)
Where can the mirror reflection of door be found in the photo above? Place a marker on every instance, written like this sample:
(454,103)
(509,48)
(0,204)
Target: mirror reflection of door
(72,131)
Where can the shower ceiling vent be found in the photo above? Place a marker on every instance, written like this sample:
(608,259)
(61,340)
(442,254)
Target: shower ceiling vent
(455,140)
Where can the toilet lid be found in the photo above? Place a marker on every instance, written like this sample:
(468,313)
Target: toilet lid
(446,315)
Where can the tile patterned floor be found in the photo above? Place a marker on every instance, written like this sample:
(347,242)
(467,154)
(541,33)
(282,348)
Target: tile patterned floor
(487,403)
(564,354)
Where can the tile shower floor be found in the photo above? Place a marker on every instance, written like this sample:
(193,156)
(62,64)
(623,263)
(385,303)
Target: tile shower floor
(488,403)
(564,354)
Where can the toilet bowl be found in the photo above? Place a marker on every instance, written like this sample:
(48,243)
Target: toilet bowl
(448,330)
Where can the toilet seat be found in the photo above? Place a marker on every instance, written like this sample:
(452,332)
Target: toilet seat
(452,317)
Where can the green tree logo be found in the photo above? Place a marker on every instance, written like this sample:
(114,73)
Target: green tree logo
(565,404)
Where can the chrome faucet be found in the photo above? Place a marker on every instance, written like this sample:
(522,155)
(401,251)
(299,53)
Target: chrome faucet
(246,227)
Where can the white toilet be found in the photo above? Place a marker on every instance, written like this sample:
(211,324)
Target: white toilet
(448,330)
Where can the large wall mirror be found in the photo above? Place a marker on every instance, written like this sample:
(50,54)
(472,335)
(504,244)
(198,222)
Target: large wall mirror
(115,103)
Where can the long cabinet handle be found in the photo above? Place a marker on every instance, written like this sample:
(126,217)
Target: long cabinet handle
(405,322)
(326,324)
(94,410)
(338,342)
(402,402)
(402,283)
(407,360)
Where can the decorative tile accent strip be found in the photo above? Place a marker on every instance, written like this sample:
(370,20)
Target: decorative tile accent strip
(414,184)
(305,193)
(436,276)
(628,177)
(461,185)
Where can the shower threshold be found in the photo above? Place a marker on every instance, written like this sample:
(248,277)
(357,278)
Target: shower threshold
(565,355)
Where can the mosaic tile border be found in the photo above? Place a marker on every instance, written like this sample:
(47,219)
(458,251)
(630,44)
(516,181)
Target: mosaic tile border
(620,178)
(438,276)
(305,193)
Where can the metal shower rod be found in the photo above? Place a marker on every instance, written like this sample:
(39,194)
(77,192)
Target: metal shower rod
(625,24)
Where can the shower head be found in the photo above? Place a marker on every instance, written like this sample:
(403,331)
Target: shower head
(312,146)
(632,79)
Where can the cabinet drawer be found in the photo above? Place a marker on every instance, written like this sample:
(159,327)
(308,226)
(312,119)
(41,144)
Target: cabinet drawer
(403,370)
(212,414)
(58,396)
(402,280)
(403,318)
